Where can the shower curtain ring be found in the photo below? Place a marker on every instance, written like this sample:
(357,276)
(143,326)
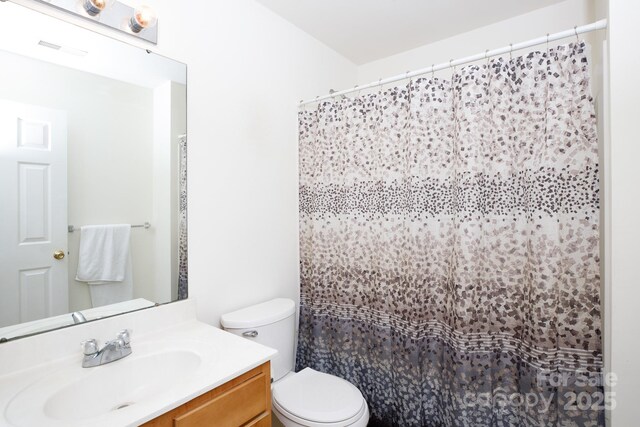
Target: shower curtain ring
(547,43)
(575,30)
(433,74)
(510,50)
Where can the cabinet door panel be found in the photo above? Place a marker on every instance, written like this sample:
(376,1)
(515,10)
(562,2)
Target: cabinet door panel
(236,407)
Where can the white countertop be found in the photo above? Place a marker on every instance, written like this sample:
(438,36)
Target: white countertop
(224,356)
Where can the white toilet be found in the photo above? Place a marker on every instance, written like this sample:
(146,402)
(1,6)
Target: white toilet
(305,399)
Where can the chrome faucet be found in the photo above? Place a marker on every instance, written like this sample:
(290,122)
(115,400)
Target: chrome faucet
(112,350)
(78,317)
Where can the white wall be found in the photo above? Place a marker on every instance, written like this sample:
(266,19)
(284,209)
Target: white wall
(551,19)
(247,68)
(624,63)
(109,177)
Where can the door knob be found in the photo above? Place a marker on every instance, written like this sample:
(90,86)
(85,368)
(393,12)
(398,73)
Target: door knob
(58,255)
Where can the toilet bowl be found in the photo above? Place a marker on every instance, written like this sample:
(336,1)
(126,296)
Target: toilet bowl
(307,398)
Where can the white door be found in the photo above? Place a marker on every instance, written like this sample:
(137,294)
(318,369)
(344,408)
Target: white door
(33,213)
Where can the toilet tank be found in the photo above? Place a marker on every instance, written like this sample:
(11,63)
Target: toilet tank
(270,323)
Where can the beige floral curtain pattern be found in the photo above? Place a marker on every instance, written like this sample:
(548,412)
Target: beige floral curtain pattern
(450,246)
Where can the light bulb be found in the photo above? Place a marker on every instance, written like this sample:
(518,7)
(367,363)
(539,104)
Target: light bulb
(143,17)
(94,7)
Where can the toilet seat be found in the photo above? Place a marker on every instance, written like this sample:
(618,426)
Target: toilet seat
(360,420)
(314,399)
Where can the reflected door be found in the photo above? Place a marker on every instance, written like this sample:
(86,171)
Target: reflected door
(33,213)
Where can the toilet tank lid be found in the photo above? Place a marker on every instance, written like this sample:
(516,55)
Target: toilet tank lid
(259,314)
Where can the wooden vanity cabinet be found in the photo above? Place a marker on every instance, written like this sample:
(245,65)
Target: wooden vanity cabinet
(245,401)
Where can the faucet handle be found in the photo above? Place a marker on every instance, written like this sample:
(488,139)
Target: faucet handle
(124,336)
(89,347)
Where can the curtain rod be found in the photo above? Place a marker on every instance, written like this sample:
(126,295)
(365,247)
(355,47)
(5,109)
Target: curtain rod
(598,25)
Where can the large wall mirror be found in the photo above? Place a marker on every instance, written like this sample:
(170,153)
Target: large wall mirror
(92,175)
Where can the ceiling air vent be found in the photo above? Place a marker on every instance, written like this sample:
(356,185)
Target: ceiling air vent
(65,49)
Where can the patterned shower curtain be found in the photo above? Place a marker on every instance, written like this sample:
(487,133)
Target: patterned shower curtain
(450,246)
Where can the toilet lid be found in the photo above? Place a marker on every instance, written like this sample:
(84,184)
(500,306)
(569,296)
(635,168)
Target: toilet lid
(318,397)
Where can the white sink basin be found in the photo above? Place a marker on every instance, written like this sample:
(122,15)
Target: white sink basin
(175,359)
(121,385)
(73,393)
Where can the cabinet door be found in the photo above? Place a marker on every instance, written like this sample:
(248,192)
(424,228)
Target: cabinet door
(242,405)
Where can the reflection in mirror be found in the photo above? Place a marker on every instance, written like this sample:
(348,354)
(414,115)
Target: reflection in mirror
(92,175)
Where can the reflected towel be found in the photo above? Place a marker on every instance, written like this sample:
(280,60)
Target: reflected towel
(103,253)
(105,263)
(105,293)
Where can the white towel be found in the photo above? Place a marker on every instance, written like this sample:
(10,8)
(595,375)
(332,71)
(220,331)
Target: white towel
(105,263)
(103,253)
(106,293)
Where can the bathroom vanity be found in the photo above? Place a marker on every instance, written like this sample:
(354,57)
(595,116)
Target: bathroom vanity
(181,372)
(243,401)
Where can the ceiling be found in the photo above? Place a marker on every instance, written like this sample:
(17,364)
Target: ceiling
(366,30)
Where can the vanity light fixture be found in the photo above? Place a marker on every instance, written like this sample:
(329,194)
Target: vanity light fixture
(139,22)
(143,17)
(94,7)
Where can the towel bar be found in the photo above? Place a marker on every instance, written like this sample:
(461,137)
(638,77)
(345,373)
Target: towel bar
(72,228)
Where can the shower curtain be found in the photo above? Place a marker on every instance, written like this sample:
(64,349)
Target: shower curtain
(450,247)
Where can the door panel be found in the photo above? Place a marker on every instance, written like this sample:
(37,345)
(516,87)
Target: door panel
(33,212)
(32,134)
(35,286)
(34,209)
